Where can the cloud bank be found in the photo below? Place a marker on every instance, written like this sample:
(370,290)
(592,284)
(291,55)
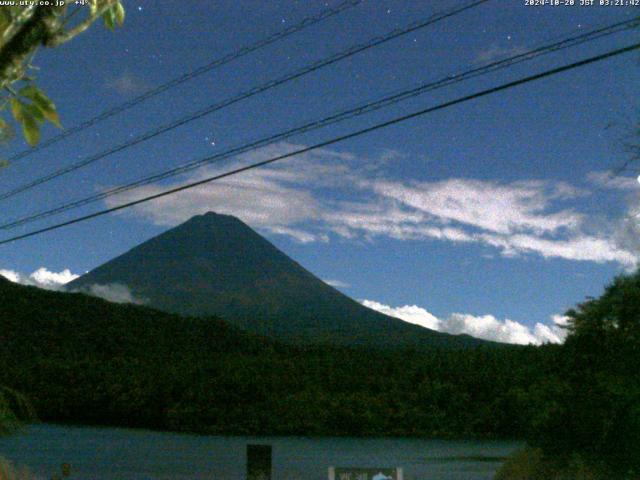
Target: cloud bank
(327,193)
(112,292)
(42,278)
(486,327)
(48,280)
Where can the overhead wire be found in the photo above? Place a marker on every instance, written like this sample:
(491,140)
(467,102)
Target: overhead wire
(374,42)
(566,42)
(185,77)
(332,141)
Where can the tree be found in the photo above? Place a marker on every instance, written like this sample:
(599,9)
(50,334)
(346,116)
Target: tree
(593,409)
(23,30)
(605,332)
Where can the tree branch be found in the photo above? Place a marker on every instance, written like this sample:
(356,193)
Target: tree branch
(33,33)
(16,24)
(62,36)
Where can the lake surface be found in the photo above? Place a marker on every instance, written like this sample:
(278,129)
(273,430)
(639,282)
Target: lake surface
(122,454)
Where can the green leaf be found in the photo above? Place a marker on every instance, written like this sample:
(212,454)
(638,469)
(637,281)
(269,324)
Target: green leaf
(31,130)
(52,116)
(119,13)
(35,112)
(109,19)
(5,18)
(6,131)
(17,109)
(44,103)
(30,91)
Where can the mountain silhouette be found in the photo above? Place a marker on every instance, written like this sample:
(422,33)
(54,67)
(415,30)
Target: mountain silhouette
(216,265)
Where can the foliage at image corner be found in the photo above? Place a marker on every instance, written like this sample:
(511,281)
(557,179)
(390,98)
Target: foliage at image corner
(585,420)
(23,30)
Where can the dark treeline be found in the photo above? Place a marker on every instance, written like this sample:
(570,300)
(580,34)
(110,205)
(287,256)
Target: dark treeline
(83,360)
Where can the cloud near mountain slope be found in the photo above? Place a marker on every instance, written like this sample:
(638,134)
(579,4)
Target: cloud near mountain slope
(486,327)
(49,280)
(42,277)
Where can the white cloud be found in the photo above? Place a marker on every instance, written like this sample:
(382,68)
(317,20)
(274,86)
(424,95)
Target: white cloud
(113,292)
(560,320)
(486,327)
(408,313)
(580,248)
(336,283)
(608,179)
(517,218)
(42,278)
(299,235)
(491,206)
(490,328)
(10,275)
(327,192)
(271,199)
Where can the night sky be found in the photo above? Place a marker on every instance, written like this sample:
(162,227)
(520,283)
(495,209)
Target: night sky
(489,217)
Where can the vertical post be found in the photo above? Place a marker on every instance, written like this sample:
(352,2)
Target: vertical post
(399,473)
(259,462)
(332,473)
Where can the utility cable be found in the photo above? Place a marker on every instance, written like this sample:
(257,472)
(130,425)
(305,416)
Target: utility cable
(357,133)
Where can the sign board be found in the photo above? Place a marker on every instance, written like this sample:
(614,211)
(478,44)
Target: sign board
(258,462)
(340,473)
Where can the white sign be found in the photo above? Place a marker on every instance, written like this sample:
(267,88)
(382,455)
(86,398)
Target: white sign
(355,473)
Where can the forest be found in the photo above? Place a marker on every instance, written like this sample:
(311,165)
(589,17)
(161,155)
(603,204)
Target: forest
(82,360)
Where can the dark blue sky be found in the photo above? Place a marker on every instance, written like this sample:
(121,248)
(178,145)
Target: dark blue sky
(494,207)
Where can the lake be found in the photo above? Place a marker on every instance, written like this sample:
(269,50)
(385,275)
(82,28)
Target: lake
(123,454)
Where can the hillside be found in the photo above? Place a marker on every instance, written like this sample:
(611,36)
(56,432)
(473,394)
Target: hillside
(84,360)
(216,265)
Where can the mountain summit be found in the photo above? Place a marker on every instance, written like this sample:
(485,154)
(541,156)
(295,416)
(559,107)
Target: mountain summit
(216,265)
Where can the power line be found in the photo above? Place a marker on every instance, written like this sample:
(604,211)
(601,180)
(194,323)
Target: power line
(567,42)
(374,42)
(334,140)
(218,62)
